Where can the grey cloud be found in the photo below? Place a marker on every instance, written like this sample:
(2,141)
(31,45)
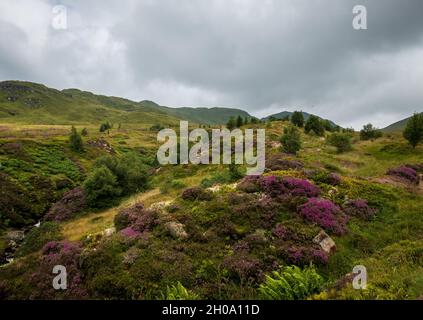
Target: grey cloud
(260,55)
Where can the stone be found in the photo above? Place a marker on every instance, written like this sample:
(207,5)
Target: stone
(325,242)
(15,235)
(176,230)
(109,231)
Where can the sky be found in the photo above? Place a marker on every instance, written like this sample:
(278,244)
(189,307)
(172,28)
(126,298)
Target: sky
(263,56)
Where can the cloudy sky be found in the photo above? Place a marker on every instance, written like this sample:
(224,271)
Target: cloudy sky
(264,56)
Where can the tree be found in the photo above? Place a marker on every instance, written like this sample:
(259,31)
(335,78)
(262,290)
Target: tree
(246,120)
(297,119)
(75,141)
(314,124)
(101,187)
(231,123)
(239,122)
(291,140)
(105,126)
(413,131)
(369,132)
(328,125)
(342,141)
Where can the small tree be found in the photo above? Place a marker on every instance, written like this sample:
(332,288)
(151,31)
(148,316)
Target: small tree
(101,187)
(291,140)
(239,122)
(342,141)
(413,132)
(314,124)
(369,132)
(297,119)
(84,132)
(75,141)
(231,123)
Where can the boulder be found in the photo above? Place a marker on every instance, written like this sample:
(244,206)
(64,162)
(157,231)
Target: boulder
(325,242)
(176,230)
(15,235)
(109,231)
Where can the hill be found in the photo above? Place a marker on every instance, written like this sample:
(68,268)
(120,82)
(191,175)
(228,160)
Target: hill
(397,126)
(32,103)
(284,114)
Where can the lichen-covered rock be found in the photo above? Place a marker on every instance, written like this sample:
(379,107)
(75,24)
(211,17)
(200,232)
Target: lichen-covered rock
(176,230)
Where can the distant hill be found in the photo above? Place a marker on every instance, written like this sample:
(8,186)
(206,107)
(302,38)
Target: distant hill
(284,114)
(397,126)
(27,102)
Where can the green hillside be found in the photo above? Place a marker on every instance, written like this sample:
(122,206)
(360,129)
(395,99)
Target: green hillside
(31,103)
(397,126)
(284,114)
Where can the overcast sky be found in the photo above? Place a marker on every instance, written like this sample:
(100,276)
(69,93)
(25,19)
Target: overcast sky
(263,56)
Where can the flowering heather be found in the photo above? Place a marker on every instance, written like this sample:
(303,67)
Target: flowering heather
(136,217)
(300,255)
(129,232)
(300,187)
(333,179)
(417,167)
(281,232)
(72,202)
(272,186)
(325,214)
(276,163)
(241,247)
(359,208)
(244,266)
(406,173)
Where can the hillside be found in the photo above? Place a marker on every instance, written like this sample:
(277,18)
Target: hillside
(284,114)
(397,126)
(31,103)
(213,232)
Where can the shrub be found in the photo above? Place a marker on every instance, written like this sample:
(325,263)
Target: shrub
(196,193)
(179,292)
(234,172)
(369,132)
(101,187)
(300,187)
(314,124)
(406,173)
(105,126)
(342,141)
(72,202)
(136,218)
(244,266)
(291,140)
(38,237)
(325,214)
(291,283)
(359,208)
(332,178)
(413,131)
(84,132)
(277,163)
(250,184)
(297,119)
(75,141)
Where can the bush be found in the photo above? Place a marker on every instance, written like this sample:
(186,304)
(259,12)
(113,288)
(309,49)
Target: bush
(291,283)
(196,193)
(105,126)
(291,140)
(369,132)
(342,141)
(75,141)
(406,173)
(179,292)
(325,214)
(250,184)
(413,132)
(314,124)
(300,187)
(137,218)
(277,162)
(72,202)
(331,178)
(38,237)
(101,187)
(297,119)
(359,208)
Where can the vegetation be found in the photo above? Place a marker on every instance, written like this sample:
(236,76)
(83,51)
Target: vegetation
(297,119)
(369,132)
(291,140)
(315,125)
(341,141)
(75,140)
(413,131)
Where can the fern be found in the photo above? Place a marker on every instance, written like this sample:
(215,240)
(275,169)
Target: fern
(291,283)
(179,292)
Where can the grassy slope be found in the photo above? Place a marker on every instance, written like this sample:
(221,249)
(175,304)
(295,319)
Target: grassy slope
(368,243)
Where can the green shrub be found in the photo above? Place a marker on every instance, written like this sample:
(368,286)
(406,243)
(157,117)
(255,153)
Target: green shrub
(75,141)
(105,126)
(179,292)
(413,132)
(291,283)
(297,119)
(314,124)
(342,141)
(38,237)
(369,132)
(101,187)
(291,140)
